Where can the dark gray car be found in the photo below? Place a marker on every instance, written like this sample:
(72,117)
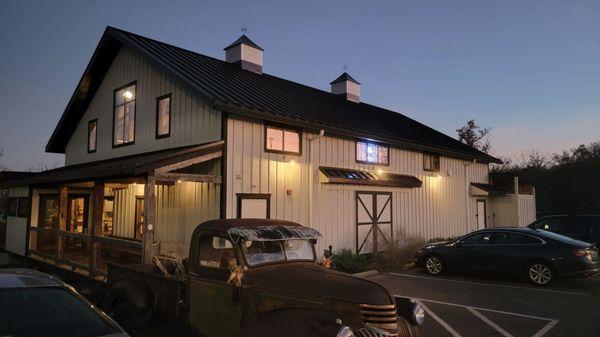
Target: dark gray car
(34,304)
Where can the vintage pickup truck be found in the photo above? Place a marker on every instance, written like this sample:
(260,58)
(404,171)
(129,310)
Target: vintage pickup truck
(251,277)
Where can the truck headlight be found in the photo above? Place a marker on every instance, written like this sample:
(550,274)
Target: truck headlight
(345,331)
(418,314)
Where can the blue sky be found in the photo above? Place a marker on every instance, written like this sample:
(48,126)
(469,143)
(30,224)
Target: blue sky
(528,69)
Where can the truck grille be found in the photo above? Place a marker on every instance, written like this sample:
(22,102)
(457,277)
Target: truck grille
(382,317)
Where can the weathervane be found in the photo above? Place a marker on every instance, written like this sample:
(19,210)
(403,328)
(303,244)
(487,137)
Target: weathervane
(243,29)
(345,67)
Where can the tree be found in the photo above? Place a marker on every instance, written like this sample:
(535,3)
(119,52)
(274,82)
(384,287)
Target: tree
(2,167)
(474,136)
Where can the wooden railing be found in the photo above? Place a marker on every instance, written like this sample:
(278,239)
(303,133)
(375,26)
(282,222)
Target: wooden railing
(83,252)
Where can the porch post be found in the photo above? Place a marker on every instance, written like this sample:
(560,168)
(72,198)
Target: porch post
(517,215)
(149,218)
(62,220)
(96,224)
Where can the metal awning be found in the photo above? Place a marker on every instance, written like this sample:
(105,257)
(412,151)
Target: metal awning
(483,190)
(274,233)
(129,166)
(333,175)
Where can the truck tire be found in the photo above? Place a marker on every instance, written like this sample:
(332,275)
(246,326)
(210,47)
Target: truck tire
(130,304)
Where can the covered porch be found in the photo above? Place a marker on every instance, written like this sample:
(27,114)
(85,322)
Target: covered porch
(123,210)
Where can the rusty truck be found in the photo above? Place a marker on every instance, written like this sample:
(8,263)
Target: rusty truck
(256,277)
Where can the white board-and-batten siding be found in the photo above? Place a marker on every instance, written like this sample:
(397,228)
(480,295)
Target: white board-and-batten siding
(179,209)
(192,121)
(442,207)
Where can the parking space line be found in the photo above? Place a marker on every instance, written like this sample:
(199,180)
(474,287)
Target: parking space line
(491,284)
(490,323)
(439,320)
(545,329)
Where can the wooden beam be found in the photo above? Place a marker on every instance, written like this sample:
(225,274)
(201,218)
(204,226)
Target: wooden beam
(149,218)
(62,218)
(190,162)
(164,176)
(96,227)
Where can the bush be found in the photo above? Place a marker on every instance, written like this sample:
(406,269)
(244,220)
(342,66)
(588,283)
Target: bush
(402,251)
(349,262)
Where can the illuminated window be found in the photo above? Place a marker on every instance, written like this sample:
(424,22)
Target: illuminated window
(282,140)
(372,153)
(92,135)
(163,116)
(124,115)
(431,162)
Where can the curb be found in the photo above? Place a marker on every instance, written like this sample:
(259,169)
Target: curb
(408,265)
(367,273)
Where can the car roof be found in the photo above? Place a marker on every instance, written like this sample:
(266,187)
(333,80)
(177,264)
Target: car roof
(540,233)
(26,278)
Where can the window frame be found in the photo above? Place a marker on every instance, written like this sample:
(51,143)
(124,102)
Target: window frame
(212,273)
(23,202)
(432,156)
(387,163)
(243,196)
(94,121)
(158,99)
(283,130)
(114,106)
(9,211)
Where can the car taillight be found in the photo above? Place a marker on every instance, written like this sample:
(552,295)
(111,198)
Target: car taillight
(583,253)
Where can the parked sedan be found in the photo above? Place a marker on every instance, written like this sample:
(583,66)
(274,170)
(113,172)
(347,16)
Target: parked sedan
(541,256)
(34,304)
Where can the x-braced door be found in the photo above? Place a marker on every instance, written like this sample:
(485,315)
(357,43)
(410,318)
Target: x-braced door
(374,232)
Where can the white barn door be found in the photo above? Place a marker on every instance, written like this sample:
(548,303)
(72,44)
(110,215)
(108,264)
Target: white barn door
(374,232)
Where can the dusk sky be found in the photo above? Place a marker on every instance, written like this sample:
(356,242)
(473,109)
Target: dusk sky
(530,70)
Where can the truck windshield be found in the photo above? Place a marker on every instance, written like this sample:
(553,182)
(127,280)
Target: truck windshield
(261,252)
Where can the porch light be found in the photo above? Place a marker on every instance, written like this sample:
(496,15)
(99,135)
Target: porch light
(293,162)
(127,94)
(379,171)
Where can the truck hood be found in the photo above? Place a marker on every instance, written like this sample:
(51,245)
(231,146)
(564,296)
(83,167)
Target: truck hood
(310,279)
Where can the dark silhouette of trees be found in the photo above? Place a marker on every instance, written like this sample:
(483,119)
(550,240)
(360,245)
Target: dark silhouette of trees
(474,136)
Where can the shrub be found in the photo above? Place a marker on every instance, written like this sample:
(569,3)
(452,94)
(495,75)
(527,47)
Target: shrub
(402,251)
(349,262)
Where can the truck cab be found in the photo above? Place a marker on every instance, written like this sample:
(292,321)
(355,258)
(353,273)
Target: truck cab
(256,277)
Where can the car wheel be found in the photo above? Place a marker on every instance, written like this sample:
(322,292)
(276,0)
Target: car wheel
(434,265)
(540,273)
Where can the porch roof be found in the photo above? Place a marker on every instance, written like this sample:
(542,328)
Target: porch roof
(123,167)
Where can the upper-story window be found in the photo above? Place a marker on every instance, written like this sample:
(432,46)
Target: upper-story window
(282,140)
(372,153)
(163,116)
(92,135)
(431,162)
(124,115)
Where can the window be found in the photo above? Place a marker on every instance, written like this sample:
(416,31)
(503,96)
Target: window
(163,116)
(12,206)
(282,140)
(92,135)
(553,224)
(431,162)
(372,153)
(124,115)
(48,211)
(215,252)
(261,252)
(502,238)
(253,205)
(24,206)
(477,239)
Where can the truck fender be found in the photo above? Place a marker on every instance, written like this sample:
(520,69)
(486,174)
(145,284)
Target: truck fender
(130,303)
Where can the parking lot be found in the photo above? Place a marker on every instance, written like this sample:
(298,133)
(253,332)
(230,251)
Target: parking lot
(459,306)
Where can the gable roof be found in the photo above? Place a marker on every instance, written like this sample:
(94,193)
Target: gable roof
(344,77)
(243,40)
(229,88)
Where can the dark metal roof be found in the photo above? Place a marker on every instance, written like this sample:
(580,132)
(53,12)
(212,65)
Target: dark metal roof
(345,77)
(229,88)
(129,166)
(243,40)
(336,175)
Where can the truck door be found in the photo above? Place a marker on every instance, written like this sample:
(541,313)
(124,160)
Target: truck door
(212,307)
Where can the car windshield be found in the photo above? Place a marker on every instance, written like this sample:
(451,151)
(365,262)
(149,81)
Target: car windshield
(261,252)
(50,312)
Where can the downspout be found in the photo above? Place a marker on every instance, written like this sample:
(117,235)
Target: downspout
(467,183)
(311,176)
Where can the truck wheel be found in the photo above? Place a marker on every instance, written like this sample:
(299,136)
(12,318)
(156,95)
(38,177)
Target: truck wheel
(406,329)
(129,305)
